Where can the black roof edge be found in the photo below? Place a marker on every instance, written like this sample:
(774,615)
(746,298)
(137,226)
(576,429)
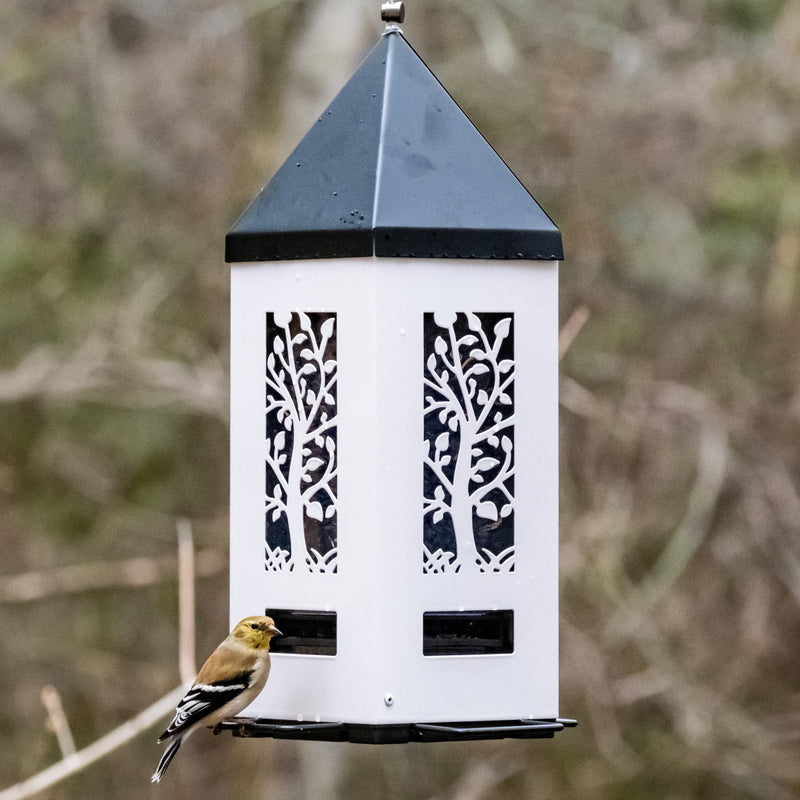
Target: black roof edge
(293,245)
(468,243)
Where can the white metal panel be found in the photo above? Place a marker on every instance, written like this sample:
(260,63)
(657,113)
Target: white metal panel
(380,592)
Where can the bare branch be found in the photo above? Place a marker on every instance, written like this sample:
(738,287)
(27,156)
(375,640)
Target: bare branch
(73,760)
(97,750)
(93,372)
(58,720)
(572,327)
(186,639)
(31,586)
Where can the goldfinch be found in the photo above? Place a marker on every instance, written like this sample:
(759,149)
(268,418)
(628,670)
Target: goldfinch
(228,682)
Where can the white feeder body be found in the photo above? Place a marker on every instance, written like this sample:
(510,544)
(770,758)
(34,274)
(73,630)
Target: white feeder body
(379,581)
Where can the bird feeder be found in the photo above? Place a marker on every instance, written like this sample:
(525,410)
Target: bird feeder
(394,424)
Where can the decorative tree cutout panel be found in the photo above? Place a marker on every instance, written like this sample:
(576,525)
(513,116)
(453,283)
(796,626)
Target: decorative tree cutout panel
(468,473)
(301,457)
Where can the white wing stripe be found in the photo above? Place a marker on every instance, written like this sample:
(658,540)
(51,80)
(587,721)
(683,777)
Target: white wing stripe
(231,687)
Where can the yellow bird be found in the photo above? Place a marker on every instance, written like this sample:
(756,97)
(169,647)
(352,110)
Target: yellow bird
(228,682)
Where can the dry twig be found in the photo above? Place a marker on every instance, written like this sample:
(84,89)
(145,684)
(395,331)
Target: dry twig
(186,662)
(58,720)
(73,760)
(75,578)
(97,750)
(572,327)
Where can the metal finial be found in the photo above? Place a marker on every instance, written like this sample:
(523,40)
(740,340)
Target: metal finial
(393,12)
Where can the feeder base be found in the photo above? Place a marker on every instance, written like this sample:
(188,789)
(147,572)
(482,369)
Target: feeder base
(247,728)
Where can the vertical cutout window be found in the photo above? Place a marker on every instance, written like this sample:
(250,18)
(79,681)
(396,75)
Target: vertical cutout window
(301,442)
(468,471)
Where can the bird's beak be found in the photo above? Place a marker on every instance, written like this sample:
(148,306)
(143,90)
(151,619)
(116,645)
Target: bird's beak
(275,631)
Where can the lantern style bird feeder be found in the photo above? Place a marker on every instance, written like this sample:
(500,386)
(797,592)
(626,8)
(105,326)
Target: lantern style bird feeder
(394,424)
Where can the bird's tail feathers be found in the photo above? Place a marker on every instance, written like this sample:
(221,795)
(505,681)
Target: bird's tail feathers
(166,758)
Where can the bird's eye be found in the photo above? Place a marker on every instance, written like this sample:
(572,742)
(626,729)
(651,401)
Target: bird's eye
(254,626)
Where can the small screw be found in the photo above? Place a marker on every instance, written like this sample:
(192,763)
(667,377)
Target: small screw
(393,12)
(388,699)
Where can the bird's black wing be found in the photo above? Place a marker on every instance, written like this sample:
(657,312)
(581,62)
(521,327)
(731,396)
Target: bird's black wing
(203,699)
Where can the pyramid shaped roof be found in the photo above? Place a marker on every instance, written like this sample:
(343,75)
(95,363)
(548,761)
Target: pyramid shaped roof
(393,167)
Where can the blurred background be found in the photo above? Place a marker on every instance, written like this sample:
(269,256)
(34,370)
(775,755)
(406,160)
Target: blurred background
(663,136)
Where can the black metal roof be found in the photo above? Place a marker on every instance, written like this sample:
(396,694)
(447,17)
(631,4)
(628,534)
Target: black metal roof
(393,167)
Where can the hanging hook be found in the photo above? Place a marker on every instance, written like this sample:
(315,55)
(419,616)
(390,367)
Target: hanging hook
(393,12)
